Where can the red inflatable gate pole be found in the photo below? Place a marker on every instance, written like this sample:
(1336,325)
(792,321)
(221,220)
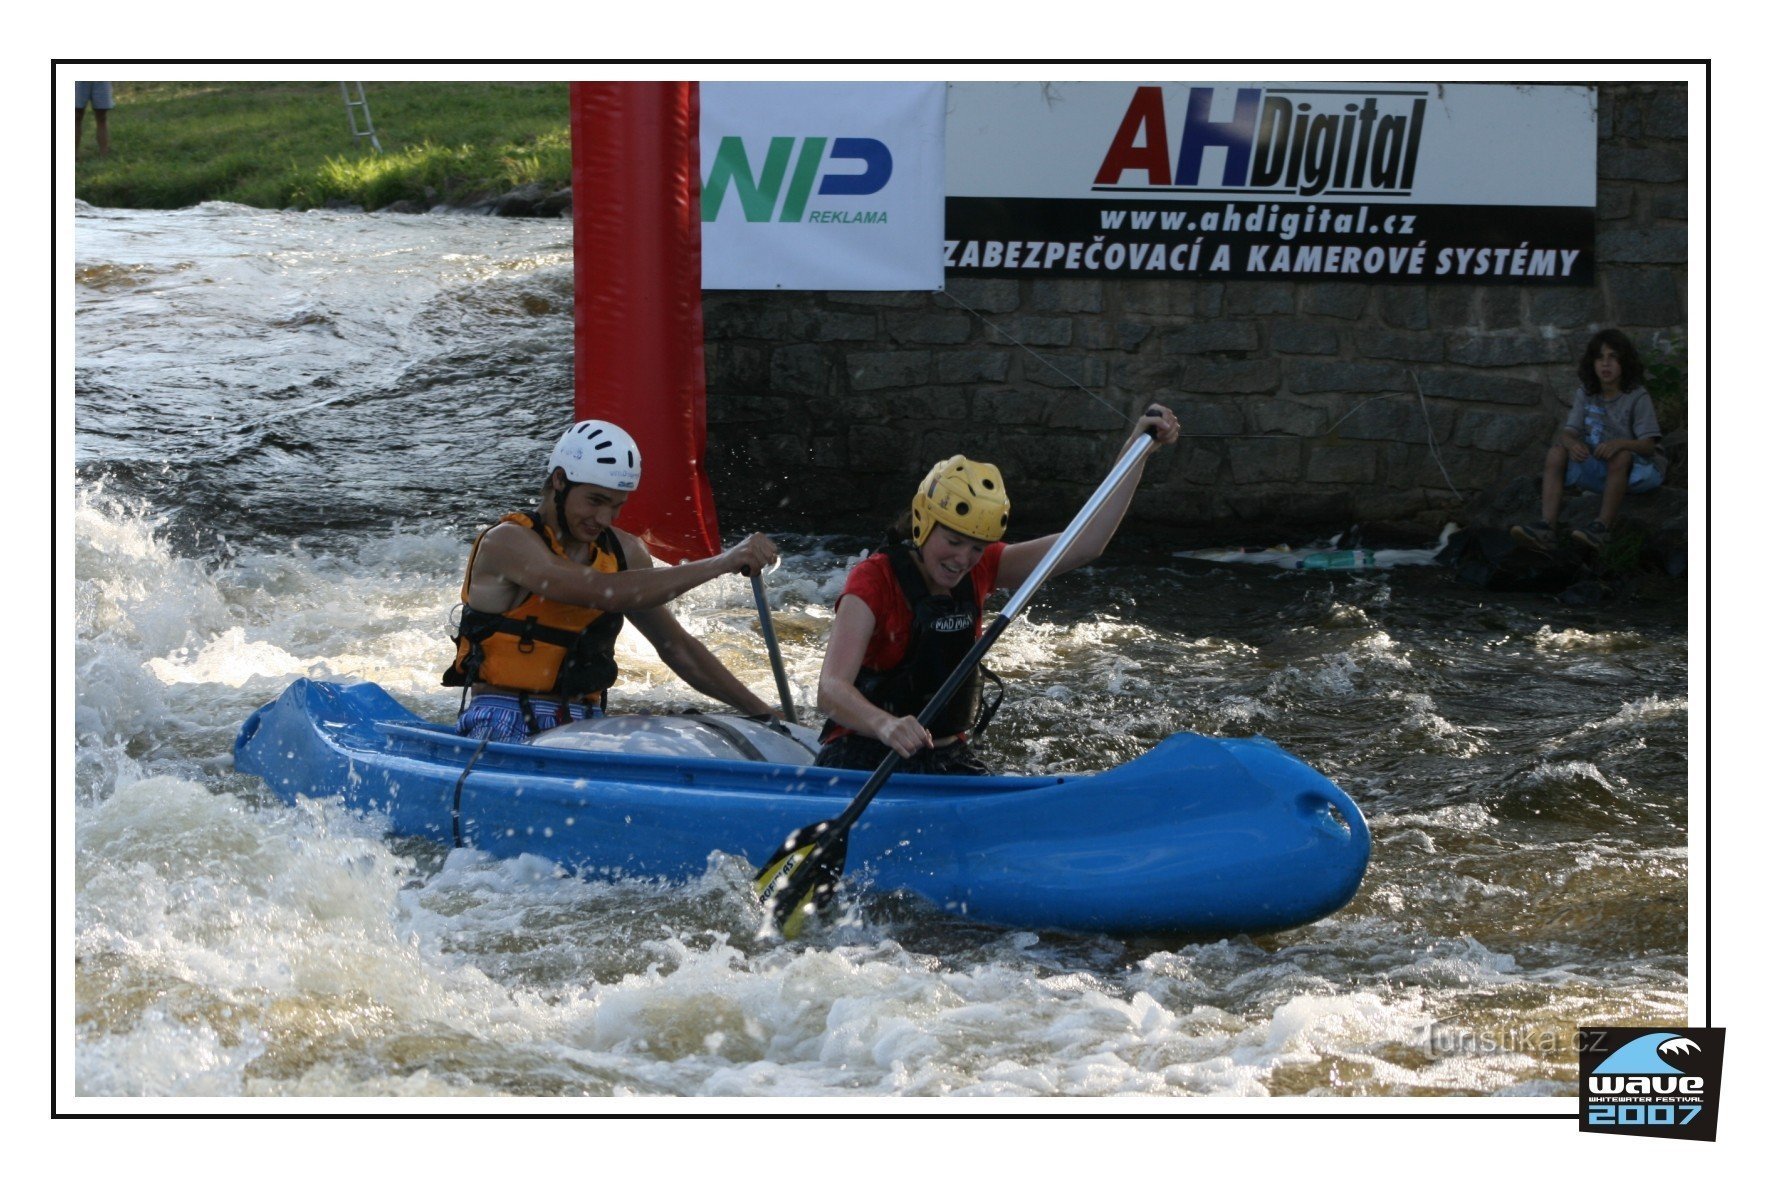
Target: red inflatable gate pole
(637,328)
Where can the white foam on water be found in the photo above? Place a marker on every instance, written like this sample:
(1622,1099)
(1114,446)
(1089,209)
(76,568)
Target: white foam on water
(1547,639)
(1422,721)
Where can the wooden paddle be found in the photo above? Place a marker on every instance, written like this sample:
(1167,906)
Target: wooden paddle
(801,876)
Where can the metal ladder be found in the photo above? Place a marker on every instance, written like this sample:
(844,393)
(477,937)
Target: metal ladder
(352,105)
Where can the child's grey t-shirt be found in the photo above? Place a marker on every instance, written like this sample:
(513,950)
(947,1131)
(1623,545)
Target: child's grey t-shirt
(1631,415)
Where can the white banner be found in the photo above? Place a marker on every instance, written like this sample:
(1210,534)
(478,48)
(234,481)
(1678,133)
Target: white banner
(1373,182)
(816,186)
(1340,142)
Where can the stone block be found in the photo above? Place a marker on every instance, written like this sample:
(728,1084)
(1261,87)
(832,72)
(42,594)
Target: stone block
(1517,433)
(876,449)
(1209,299)
(1266,461)
(1666,114)
(1035,331)
(879,371)
(1282,416)
(1616,199)
(882,299)
(1052,455)
(1146,372)
(1299,336)
(1077,411)
(1329,464)
(747,409)
(1066,372)
(1510,348)
(1646,296)
(1212,376)
(1668,202)
(1657,165)
(1503,307)
(1074,295)
(1565,307)
(1330,377)
(1453,306)
(830,451)
(1345,301)
(1219,336)
(1638,245)
(800,369)
(737,365)
(1260,299)
(826,324)
(971,365)
(1155,297)
(1403,307)
(1208,416)
(1121,335)
(926,405)
(1202,466)
(1384,344)
(951,326)
(1012,407)
(991,296)
(1482,387)
(1387,420)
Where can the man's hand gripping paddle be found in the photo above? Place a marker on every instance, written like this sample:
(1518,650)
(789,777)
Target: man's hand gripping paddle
(801,876)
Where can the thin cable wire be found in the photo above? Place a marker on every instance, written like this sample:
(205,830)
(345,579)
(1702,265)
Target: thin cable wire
(1036,356)
(1433,445)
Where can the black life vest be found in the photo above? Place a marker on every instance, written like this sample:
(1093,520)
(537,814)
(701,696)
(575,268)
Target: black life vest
(540,645)
(943,630)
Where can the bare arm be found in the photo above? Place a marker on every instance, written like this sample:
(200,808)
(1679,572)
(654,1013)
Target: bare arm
(840,699)
(513,561)
(1020,558)
(690,659)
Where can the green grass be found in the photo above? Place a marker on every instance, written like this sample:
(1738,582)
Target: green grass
(288,144)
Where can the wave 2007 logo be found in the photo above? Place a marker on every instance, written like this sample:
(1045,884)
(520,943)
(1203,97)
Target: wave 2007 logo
(1651,1082)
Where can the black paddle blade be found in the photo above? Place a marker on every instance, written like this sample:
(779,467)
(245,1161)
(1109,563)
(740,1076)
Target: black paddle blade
(801,876)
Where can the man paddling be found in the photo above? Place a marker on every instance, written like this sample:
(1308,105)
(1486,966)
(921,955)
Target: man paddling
(546,593)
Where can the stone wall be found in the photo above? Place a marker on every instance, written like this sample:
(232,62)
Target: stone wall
(1308,404)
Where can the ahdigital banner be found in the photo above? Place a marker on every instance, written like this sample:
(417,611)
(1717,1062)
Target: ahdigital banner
(822,186)
(1390,182)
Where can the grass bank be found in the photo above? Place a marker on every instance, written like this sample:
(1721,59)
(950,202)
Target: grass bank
(288,144)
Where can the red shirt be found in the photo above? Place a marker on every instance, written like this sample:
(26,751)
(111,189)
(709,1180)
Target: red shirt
(873,582)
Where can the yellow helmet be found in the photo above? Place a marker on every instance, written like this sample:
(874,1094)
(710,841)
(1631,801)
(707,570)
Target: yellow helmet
(963,494)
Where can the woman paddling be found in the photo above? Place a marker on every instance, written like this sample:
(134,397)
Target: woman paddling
(909,613)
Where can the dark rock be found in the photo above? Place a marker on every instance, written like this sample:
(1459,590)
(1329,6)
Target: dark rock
(1586,593)
(556,204)
(520,201)
(1490,558)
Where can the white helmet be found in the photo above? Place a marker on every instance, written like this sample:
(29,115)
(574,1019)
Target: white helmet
(600,453)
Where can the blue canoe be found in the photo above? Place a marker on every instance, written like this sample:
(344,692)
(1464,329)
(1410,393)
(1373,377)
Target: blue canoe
(1199,836)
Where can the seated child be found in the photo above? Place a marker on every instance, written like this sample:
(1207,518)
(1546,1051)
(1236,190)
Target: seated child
(1608,444)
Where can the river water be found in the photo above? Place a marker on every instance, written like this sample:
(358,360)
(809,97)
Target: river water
(287,428)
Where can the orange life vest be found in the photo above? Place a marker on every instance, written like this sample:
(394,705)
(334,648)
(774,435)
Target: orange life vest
(540,645)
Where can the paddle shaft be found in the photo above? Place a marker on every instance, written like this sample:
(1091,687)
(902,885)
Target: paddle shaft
(781,676)
(1017,601)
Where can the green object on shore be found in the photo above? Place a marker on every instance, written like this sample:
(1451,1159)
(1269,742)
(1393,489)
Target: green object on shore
(1338,559)
(282,145)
